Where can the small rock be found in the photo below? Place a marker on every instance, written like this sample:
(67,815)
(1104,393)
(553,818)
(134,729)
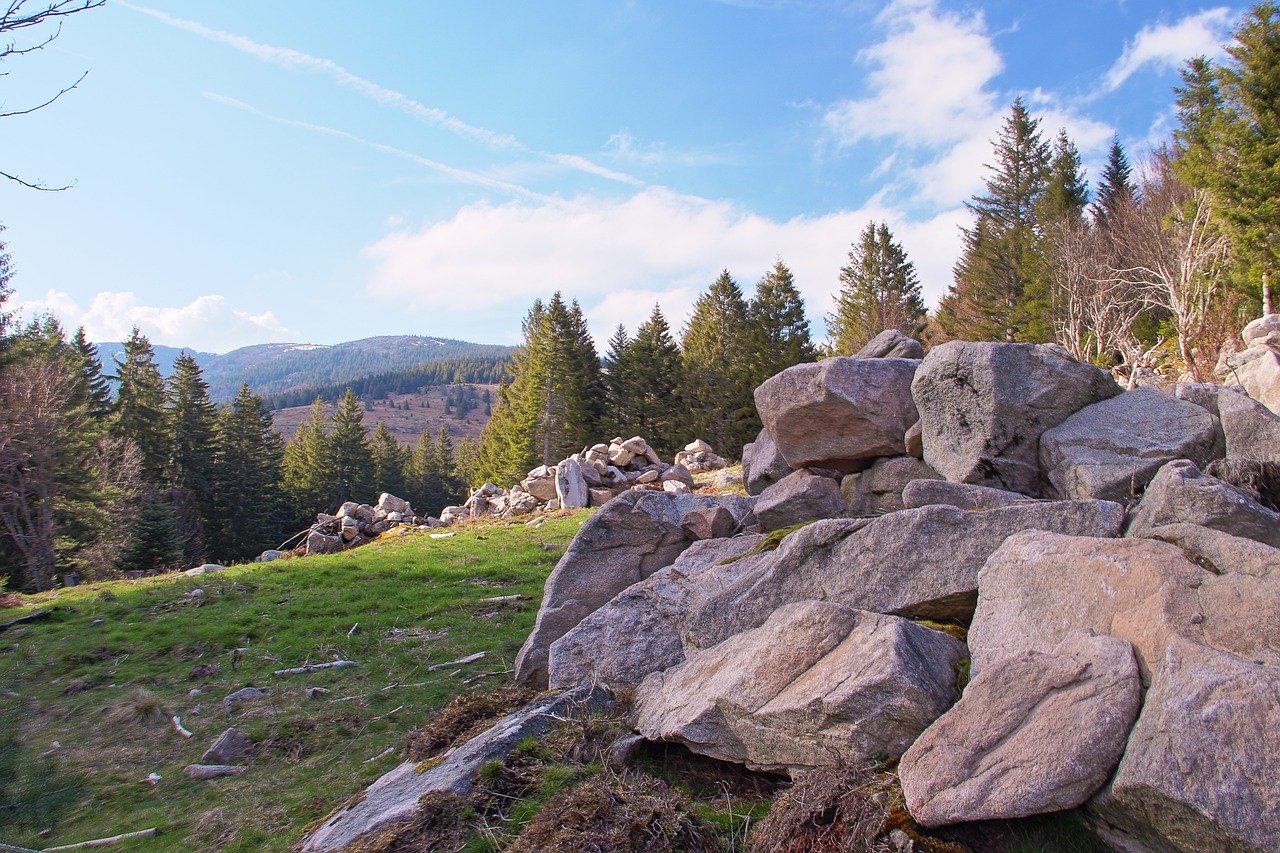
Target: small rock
(242,695)
(317,692)
(230,746)
(623,750)
(211,771)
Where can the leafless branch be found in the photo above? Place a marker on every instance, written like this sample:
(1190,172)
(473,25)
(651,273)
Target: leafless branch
(61,92)
(36,186)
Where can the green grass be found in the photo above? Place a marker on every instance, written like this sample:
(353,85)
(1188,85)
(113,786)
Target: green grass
(103,675)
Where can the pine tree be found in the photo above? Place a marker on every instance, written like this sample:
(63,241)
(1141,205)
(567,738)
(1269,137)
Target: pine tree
(717,368)
(389,461)
(422,470)
(140,405)
(655,368)
(155,543)
(1063,227)
(97,388)
(778,326)
(248,459)
(879,290)
(1066,194)
(447,488)
(1116,190)
(618,396)
(307,479)
(1001,249)
(507,444)
(350,459)
(467,463)
(191,421)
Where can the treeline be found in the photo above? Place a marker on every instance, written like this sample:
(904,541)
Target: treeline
(150,478)
(333,459)
(1158,272)
(486,370)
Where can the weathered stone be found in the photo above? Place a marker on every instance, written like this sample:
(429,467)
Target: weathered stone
(767,465)
(919,563)
(1251,430)
(232,701)
(920,493)
(1259,330)
(1219,552)
(395,796)
(1181,494)
(985,759)
(677,472)
(389,503)
(636,445)
(211,771)
(878,490)
(322,543)
(817,684)
(571,485)
(268,555)
(648,477)
(840,412)
(914,441)
(206,569)
(1197,773)
(1112,449)
(709,523)
(891,343)
(621,457)
(542,486)
(231,745)
(600,497)
(698,446)
(984,406)
(799,497)
(675,487)
(639,630)
(627,540)
(350,529)
(1257,371)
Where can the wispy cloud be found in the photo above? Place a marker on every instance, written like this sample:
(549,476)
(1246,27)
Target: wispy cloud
(462,175)
(1169,45)
(625,147)
(286,57)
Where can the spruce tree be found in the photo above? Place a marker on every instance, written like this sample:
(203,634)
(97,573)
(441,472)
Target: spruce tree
(1066,194)
(248,459)
(618,397)
(988,300)
(507,444)
(154,543)
(1116,190)
(777,324)
(307,480)
(446,488)
(191,424)
(467,463)
(655,368)
(717,377)
(421,471)
(879,290)
(97,388)
(140,405)
(389,461)
(350,459)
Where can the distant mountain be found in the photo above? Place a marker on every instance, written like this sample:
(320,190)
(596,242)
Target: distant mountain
(272,369)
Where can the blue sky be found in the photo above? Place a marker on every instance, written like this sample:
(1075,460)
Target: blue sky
(321,171)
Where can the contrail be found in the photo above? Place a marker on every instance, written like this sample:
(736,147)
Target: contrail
(462,175)
(286,57)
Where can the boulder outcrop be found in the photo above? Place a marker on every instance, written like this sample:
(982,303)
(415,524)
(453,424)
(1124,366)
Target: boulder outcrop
(1181,494)
(766,465)
(798,497)
(879,489)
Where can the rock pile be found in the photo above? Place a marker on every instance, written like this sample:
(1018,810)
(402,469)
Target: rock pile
(354,525)
(986,550)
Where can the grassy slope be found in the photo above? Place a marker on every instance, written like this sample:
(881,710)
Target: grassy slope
(79,683)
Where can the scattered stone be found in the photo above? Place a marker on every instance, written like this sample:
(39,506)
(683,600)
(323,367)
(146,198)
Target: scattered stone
(268,555)
(799,497)
(675,487)
(914,441)
(984,406)
(767,465)
(211,771)
(317,692)
(623,750)
(1112,449)
(1250,429)
(231,745)
(571,486)
(322,543)
(244,694)
(985,759)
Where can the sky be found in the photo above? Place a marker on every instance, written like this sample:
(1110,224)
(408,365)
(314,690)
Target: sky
(319,171)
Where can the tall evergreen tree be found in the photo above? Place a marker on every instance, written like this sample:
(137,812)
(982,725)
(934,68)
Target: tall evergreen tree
(307,478)
(1001,249)
(422,471)
(717,379)
(155,544)
(191,424)
(248,459)
(778,326)
(448,489)
(1116,190)
(879,290)
(1066,194)
(96,386)
(655,370)
(389,461)
(507,444)
(618,397)
(467,462)
(349,453)
(140,405)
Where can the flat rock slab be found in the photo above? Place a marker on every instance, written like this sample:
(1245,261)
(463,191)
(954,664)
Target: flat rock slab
(986,758)
(920,493)
(1112,449)
(1181,494)
(627,540)
(394,797)
(839,413)
(230,746)
(817,684)
(984,406)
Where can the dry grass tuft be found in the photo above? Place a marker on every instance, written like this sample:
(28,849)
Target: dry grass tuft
(463,718)
(441,824)
(1258,480)
(138,707)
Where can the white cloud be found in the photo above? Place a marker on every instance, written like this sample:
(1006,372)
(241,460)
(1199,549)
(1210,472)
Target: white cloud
(625,147)
(205,323)
(1167,46)
(618,256)
(289,58)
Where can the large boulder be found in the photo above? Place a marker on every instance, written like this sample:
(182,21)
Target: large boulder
(891,343)
(1181,494)
(1198,772)
(394,797)
(627,540)
(879,489)
(640,630)
(839,413)
(1251,430)
(767,465)
(1112,449)
(1257,371)
(389,503)
(920,563)
(799,497)
(817,684)
(1219,552)
(985,759)
(984,406)
(923,492)
(571,485)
